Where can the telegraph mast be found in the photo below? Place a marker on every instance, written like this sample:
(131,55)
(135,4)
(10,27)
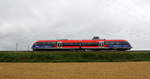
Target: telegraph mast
(16,46)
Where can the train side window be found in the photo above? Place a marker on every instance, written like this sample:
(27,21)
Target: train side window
(45,43)
(115,43)
(90,44)
(71,44)
(109,42)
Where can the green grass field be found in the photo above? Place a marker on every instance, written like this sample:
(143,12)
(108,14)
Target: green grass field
(74,56)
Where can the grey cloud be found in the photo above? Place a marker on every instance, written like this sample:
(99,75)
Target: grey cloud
(25,21)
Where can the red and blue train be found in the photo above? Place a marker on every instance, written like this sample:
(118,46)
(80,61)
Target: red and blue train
(100,44)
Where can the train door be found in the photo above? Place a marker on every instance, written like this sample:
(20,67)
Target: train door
(101,43)
(59,44)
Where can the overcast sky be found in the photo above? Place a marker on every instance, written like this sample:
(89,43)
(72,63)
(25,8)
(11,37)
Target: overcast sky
(25,21)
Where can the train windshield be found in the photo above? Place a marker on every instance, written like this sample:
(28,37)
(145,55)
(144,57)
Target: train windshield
(116,43)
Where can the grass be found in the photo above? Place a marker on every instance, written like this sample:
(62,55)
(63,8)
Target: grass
(73,56)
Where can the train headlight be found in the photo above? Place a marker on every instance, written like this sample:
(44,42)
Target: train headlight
(37,46)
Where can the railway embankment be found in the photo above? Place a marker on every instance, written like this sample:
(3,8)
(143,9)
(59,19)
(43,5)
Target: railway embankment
(74,56)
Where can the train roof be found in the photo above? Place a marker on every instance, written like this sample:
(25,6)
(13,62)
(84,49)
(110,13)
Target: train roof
(77,40)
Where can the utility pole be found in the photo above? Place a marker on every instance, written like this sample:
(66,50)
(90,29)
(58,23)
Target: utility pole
(16,46)
(28,49)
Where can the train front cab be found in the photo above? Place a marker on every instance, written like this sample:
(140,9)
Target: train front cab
(118,45)
(44,45)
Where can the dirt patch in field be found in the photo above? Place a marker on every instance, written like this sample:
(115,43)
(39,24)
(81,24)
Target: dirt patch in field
(106,70)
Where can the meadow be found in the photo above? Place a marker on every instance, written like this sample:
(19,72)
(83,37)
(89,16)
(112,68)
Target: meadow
(74,56)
